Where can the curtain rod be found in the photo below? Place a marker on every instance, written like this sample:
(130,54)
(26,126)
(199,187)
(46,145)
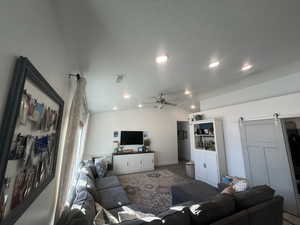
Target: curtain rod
(74,75)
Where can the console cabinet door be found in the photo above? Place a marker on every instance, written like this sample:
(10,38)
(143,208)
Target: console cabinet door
(120,165)
(212,172)
(132,163)
(200,165)
(147,162)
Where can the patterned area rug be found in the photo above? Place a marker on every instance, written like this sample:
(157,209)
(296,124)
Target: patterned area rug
(152,190)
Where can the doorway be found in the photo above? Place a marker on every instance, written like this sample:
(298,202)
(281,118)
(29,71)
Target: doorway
(291,128)
(183,140)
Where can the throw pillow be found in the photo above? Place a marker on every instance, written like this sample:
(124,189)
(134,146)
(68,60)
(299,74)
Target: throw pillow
(241,185)
(101,166)
(229,190)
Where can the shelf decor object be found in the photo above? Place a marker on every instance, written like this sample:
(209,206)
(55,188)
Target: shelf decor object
(29,140)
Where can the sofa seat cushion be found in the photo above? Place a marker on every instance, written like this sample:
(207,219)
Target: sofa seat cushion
(197,191)
(85,203)
(113,197)
(107,182)
(220,206)
(253,196)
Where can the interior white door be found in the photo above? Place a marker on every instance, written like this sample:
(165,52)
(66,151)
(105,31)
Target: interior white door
(266,159)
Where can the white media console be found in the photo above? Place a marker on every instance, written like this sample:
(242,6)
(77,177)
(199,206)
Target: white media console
(126,163)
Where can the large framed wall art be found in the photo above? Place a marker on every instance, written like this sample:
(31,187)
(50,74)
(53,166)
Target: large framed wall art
(29,140)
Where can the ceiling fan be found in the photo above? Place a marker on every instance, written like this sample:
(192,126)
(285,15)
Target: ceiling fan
(160,101)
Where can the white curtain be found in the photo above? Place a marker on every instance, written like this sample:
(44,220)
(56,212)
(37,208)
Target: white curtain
(74,143)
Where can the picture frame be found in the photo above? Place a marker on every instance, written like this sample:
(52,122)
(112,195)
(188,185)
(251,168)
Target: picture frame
(29,137)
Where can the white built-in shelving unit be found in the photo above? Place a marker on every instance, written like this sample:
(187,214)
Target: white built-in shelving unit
(207,149)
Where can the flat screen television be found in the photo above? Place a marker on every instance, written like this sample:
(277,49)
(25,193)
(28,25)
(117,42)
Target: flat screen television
(132,138)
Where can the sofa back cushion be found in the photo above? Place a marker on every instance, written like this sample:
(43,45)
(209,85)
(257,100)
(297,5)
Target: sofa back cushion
(85,183)
(269,212)
(253,196)
(210,211)
(87,171)
(85,203)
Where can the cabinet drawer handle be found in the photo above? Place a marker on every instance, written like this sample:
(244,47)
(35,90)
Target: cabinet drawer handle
(204,165)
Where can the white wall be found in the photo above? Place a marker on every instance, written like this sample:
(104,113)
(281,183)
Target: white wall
(29,28)
(160,124)
(285,104)
(277,87)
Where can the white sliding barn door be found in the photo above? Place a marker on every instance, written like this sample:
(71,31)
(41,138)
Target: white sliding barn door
(266,159)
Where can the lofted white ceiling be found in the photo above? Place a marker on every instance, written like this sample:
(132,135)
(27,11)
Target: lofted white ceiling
(111,37)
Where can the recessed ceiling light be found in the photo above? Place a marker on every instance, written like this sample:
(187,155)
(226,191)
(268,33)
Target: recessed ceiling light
(162,59)
(187,92)
(246,67)
(115,108)
(214,64)
(193,107)
(127,96)
(140,105)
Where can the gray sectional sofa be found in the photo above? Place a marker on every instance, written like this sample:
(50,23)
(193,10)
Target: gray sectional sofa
(196,203)
(91,186)
(256,206)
